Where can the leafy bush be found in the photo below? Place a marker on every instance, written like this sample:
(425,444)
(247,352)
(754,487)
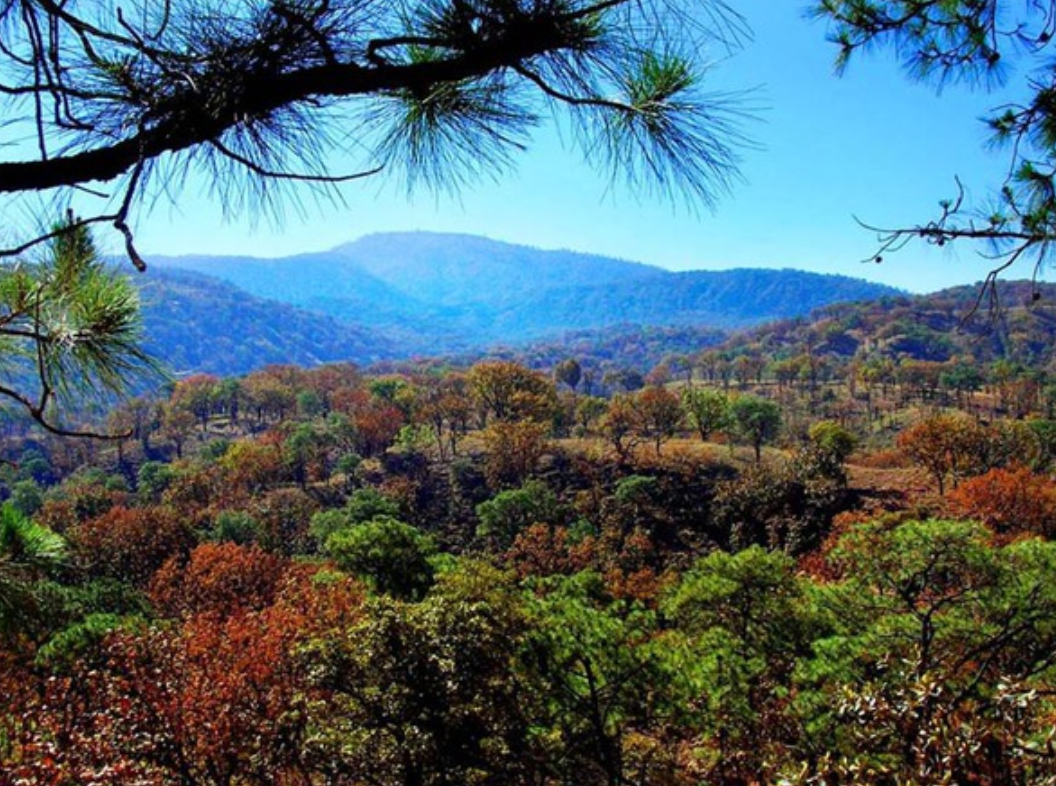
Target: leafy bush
(391,556)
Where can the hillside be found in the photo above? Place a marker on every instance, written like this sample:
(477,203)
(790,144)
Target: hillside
(197,323)
(467,292)
(938,327)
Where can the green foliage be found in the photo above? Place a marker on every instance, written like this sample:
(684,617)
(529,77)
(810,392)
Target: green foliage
(510,512)
(214,450)
(348,464)
(601,673)
(423,693)
(152,479)
(71,324)
(828,448)
(27,552)
(326,522)
(753,594)
(569,372)
(832,439)
(740,625)
(755,420)
(64,604)
(79,643)
(236,526)
(369,503)
(707,410)
(636,490)
(1045,431)
(934,631)
(393,557)
(26,497)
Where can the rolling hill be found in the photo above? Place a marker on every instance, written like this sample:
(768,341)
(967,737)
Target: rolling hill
(197,323)
(445,293)
(940,327)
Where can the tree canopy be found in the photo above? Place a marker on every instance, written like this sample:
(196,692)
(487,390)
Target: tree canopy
(132,98)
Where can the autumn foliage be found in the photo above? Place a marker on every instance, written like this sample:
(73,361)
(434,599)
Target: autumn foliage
(131,543)
(1013,500)
(217,578)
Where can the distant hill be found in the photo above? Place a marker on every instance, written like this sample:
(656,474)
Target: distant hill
(638,347)
(937,327)
(449,293)
(197,323)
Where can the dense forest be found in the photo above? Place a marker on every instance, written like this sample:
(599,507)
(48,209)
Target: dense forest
(803,556)
(817,553)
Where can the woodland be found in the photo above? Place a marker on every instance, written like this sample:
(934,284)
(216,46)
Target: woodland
(817,553)
(820,552)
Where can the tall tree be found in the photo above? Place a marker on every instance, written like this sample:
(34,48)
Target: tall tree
(432,91)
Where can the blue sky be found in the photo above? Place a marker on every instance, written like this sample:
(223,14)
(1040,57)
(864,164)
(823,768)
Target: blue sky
(870,144)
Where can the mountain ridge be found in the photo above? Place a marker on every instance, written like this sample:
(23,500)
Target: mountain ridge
(466,291)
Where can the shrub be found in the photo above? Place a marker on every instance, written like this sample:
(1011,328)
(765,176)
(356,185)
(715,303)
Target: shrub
(1008,500)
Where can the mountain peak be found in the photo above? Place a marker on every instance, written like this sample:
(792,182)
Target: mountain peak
(448,289)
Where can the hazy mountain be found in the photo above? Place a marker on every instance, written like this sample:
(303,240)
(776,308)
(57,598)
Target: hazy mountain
(456,292)
(197,323)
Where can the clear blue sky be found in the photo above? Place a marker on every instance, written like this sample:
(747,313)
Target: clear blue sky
(870,144)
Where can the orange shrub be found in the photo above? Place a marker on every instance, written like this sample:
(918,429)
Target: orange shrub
(219,577)
(130,543)
(1009,500)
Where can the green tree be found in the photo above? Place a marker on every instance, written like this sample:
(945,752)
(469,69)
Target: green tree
(152,479)
(756,421)
(72,325)
(740,625)
(425,694)
(828,447)
(938,645)
(393,557)
(362,506)
(604,677)
(706,409)
(510,512)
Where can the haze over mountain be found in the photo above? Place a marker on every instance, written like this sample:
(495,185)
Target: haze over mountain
(440,293)
(197,323)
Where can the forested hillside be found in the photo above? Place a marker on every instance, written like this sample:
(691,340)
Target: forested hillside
(198,323)
(278,577)
(467,292)
(953,325)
